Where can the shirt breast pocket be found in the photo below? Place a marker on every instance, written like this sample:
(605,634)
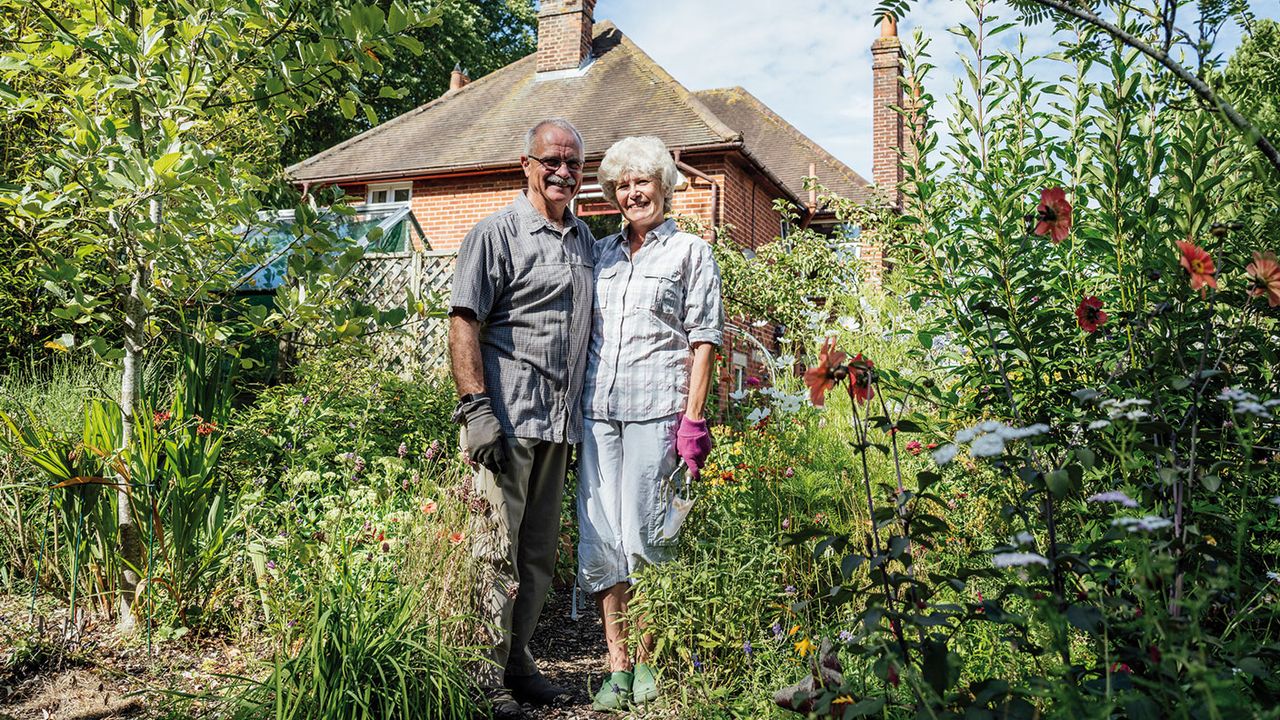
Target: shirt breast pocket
(604,287)
(667,292)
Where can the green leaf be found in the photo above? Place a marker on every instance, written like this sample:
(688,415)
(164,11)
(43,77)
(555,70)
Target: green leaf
(348,107)
(1087,618)
(935,668)
(165,162)
(1211,482)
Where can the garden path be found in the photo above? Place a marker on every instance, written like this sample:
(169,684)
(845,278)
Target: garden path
(572,654)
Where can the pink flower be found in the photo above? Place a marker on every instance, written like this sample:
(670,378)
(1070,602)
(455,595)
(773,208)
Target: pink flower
(1199,264)
(1053,215)
(829,371)
(1264,272)
(1089,314)
(914,447)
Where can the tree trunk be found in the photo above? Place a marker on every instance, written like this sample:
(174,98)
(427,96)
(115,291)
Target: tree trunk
(135,336)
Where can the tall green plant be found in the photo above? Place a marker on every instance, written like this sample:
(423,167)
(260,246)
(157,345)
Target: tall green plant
(144,177)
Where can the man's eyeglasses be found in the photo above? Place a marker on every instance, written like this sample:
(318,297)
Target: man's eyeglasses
(553,163)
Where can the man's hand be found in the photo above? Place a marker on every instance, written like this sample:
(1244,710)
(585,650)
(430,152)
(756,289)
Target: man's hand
(485,442)
(693,443)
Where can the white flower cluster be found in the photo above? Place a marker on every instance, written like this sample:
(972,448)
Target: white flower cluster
(986,439)
(1148,523)
(1246,403)
(1023,538)
(785,402)
(1114,496)
(1128,409)
(1018,559)
(1273,576)
(850,323)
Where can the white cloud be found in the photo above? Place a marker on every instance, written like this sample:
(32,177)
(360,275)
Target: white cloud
(810,60)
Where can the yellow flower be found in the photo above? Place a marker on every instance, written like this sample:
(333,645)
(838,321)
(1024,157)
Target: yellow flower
(794,629)
(805,646)
(56,346)
(842,700)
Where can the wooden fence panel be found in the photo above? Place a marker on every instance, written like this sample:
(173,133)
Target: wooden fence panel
(386,281)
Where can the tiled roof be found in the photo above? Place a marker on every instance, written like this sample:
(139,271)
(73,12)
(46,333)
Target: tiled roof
(782,148)
(623,92)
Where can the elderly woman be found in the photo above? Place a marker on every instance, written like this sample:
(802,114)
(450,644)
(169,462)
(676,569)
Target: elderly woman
(658,319)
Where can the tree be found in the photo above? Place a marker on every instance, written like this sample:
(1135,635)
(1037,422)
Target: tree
(142,198)
(478,35)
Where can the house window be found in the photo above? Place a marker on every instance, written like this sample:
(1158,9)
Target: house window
(390,193)
(596,212)
(739,371)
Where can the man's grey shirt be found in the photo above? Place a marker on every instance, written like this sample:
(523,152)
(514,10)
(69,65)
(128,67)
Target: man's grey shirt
(530,285)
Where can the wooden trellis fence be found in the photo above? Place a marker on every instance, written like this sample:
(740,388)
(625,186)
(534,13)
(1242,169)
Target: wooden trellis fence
(385,281)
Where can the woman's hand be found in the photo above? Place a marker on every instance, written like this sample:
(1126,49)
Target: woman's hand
(693,443)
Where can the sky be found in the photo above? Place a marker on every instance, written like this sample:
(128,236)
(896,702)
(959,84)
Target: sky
(810,60)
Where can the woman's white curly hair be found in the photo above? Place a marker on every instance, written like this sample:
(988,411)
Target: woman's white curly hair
(643,157)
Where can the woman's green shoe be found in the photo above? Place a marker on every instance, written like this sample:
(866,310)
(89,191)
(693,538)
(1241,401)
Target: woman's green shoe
(615,693)
(644,686)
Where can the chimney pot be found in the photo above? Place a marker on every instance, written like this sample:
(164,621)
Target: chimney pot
(458,78)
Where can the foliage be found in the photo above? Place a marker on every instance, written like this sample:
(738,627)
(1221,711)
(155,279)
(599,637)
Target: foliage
(340,402)
(480,36)
(169,467)
(1129,454)
(366,653)
(143,204)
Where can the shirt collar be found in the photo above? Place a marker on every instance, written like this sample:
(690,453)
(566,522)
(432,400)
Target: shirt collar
(534,220)
(658,234)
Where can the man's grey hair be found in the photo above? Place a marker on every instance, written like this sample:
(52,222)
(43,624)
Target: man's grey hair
(640,156)
(532,136)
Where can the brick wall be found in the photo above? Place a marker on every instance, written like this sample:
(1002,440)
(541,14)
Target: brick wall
(564,33)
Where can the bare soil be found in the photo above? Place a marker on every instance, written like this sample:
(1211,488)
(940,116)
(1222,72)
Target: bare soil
(102,676)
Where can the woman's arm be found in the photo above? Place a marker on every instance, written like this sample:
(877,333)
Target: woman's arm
(699,379)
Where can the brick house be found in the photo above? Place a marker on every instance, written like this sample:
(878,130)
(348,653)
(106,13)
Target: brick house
(455,159)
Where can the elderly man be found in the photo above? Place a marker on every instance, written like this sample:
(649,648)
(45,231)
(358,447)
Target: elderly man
(518,335)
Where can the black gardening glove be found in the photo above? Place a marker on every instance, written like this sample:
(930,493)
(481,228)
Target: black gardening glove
(485,442)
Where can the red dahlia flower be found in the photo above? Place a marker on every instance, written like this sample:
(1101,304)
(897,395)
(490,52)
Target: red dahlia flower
(1053,215)
(829,371)
(1090,314)
(1199,264)
(860,386)
(1264,272)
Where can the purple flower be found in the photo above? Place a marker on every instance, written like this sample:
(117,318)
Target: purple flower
(271,564)
(359,466)
(789,472)
(777,629)
(753,381)
(306,399)
(746,648)
(786,523)
(697,664)
(402,450)
(846,636)
(790,590)
(434,449)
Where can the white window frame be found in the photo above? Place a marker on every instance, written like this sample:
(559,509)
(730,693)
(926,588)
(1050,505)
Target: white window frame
(390,189)
(739,362)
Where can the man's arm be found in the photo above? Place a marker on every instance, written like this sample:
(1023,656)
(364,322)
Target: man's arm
(464,353)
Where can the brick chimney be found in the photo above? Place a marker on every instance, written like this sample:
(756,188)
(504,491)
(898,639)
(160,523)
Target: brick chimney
(458,78)
(564,34)
(886,124)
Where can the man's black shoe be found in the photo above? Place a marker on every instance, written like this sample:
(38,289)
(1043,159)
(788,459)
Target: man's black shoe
(537,689)
(501,706)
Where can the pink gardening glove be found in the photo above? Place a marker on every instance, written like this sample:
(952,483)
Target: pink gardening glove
(693,443)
